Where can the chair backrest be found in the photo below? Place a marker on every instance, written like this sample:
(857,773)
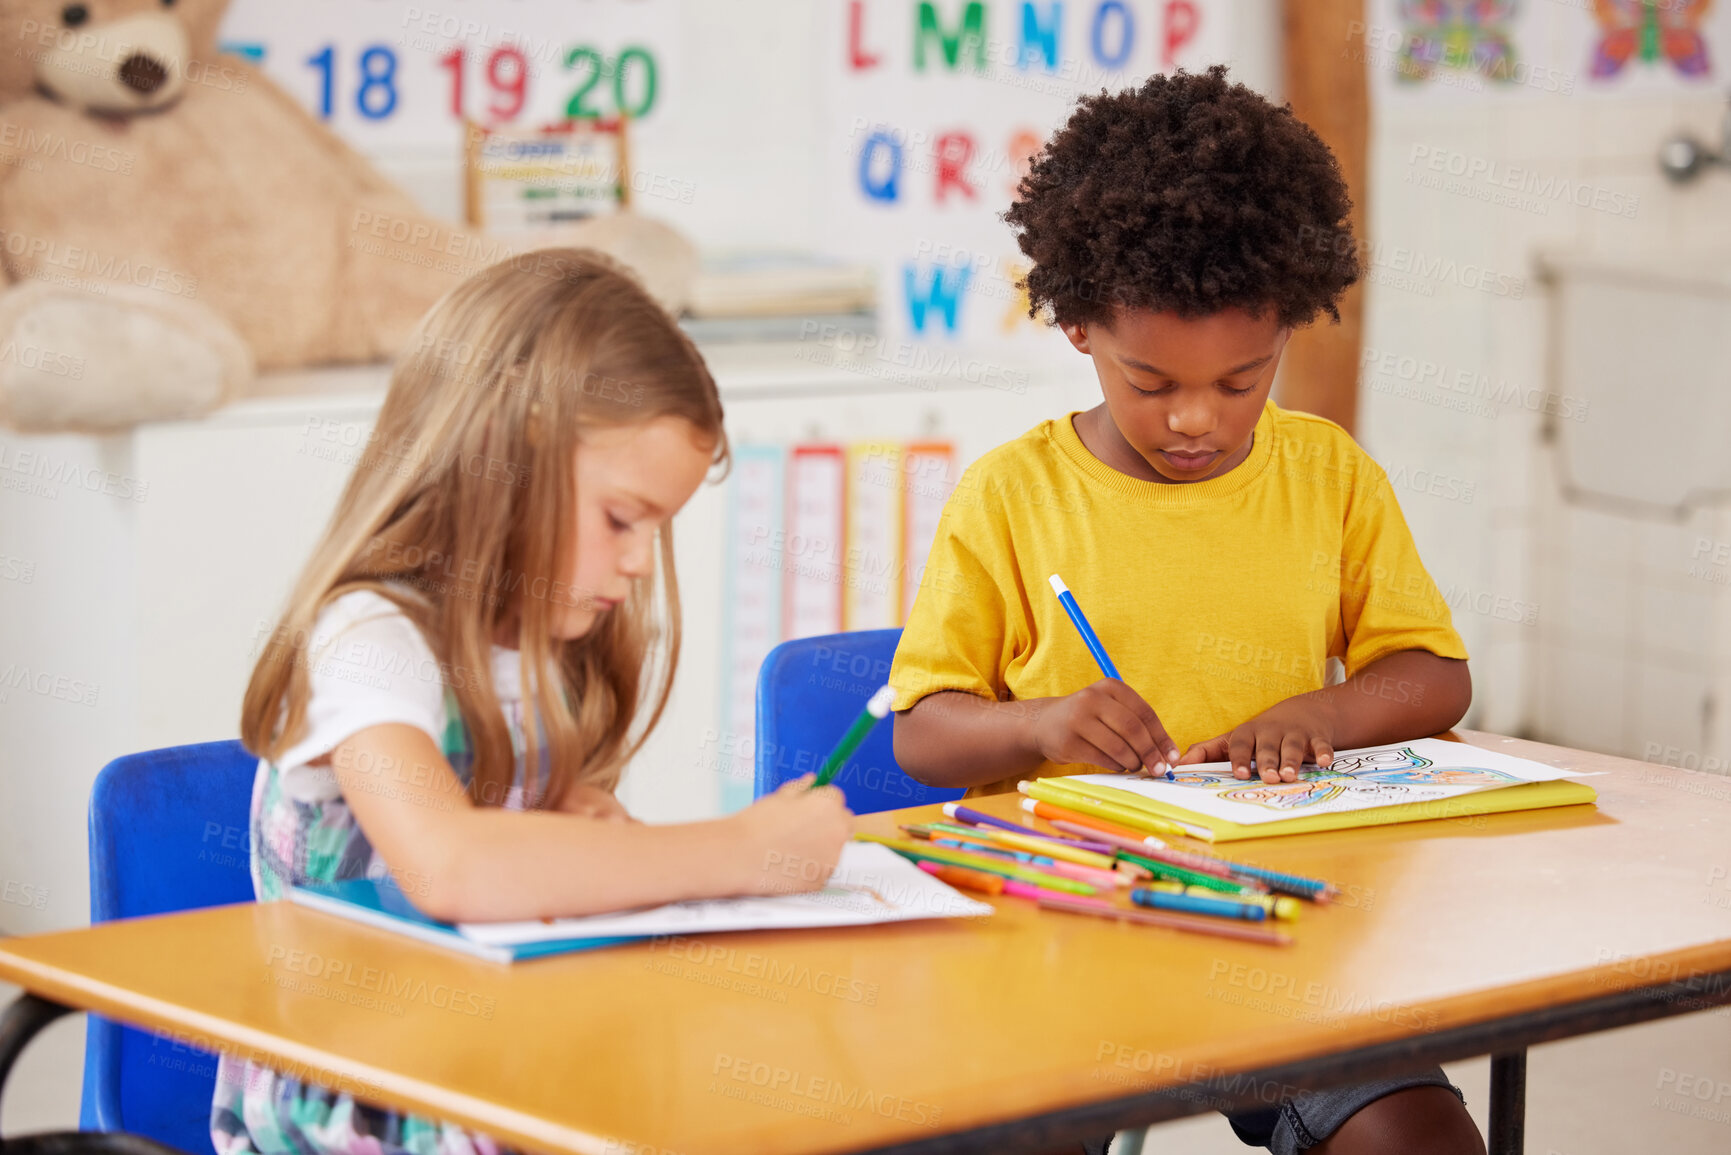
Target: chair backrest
(808,692)
(168,831)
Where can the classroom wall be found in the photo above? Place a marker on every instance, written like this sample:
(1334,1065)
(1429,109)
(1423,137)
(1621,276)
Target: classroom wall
(751,123)
(1592,628)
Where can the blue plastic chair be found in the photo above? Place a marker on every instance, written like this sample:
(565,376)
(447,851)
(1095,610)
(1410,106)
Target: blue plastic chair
(169,830)
(809,691)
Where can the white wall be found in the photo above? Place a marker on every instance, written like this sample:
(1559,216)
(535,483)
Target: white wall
(1572,617)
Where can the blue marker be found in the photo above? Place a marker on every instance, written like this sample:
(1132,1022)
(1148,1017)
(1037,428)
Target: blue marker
(1198,904)
(1068,601)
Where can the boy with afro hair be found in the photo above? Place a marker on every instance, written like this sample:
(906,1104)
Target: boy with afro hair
(1228,552)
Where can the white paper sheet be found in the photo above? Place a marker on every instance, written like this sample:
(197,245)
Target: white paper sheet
(1421,771)
(871,884)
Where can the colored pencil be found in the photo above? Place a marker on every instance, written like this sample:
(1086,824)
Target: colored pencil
(876,709)
(916,851)
(1097,827)
(1059,867)
(1116,842)
(1126,800)
(975,818)
(1312,888)
(1219,927)
(1042,895)
(1050,848)
(1007,838)
(1219,868)
(1188,877)
(1040,789)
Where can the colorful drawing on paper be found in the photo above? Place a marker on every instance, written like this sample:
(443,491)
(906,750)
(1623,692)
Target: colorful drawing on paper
(1655,32)
(1383,775)
(1457,35)
(1424,770)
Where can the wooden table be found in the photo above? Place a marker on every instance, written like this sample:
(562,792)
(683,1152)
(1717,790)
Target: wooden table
(1453,938)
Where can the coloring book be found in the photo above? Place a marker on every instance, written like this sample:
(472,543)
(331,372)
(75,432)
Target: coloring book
(1426,770)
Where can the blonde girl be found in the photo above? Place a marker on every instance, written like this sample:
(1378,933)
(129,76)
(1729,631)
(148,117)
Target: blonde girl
(481,641)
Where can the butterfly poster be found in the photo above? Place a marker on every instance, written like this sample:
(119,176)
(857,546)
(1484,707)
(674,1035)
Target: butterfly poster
(1472,36)
(1664,34)
(1426,770)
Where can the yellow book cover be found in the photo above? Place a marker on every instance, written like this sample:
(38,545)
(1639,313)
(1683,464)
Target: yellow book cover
(1408,782)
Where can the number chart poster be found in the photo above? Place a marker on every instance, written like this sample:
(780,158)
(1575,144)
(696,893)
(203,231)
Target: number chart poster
(933,110)
(398,79)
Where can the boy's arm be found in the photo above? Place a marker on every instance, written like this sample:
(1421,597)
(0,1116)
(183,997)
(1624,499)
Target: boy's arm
(953,738)
(1406,694)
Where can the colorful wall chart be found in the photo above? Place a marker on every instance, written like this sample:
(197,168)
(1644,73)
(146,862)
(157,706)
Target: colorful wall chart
(820,538)
(403,77)
(935,106)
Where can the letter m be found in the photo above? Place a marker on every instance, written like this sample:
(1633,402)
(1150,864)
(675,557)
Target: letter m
(969,36)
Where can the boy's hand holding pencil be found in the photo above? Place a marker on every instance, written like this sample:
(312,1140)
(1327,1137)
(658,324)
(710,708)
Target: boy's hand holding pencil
(1106,724)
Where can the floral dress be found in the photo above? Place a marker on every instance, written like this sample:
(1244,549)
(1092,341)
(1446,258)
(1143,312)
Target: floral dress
(259,1111)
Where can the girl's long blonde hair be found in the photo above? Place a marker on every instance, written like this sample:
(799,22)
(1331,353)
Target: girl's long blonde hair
(464,499)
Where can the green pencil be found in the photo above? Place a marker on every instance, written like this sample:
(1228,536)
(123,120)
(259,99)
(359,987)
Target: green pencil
(876,710)
(1165,870)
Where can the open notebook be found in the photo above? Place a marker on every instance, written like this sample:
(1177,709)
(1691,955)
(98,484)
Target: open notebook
(1402,782)
(871,884)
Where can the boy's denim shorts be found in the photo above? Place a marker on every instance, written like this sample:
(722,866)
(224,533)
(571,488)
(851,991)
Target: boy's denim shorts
(1309,1117)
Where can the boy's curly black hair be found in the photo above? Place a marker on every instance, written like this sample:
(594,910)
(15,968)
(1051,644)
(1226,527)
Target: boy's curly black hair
(1189,195)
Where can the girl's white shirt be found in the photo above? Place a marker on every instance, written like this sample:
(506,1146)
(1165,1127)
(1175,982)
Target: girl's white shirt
(368,665)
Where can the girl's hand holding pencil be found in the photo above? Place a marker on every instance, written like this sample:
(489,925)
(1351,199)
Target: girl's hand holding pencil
(791,840)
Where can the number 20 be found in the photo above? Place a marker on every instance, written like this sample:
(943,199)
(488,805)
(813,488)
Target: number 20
(583,56)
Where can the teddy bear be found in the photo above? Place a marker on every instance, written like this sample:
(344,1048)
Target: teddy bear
(172,223)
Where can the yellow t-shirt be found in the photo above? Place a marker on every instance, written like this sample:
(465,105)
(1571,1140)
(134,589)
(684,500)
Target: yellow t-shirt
(1215,599)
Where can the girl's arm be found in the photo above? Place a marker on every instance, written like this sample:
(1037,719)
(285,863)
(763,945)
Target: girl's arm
(476,864)
(593,801)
